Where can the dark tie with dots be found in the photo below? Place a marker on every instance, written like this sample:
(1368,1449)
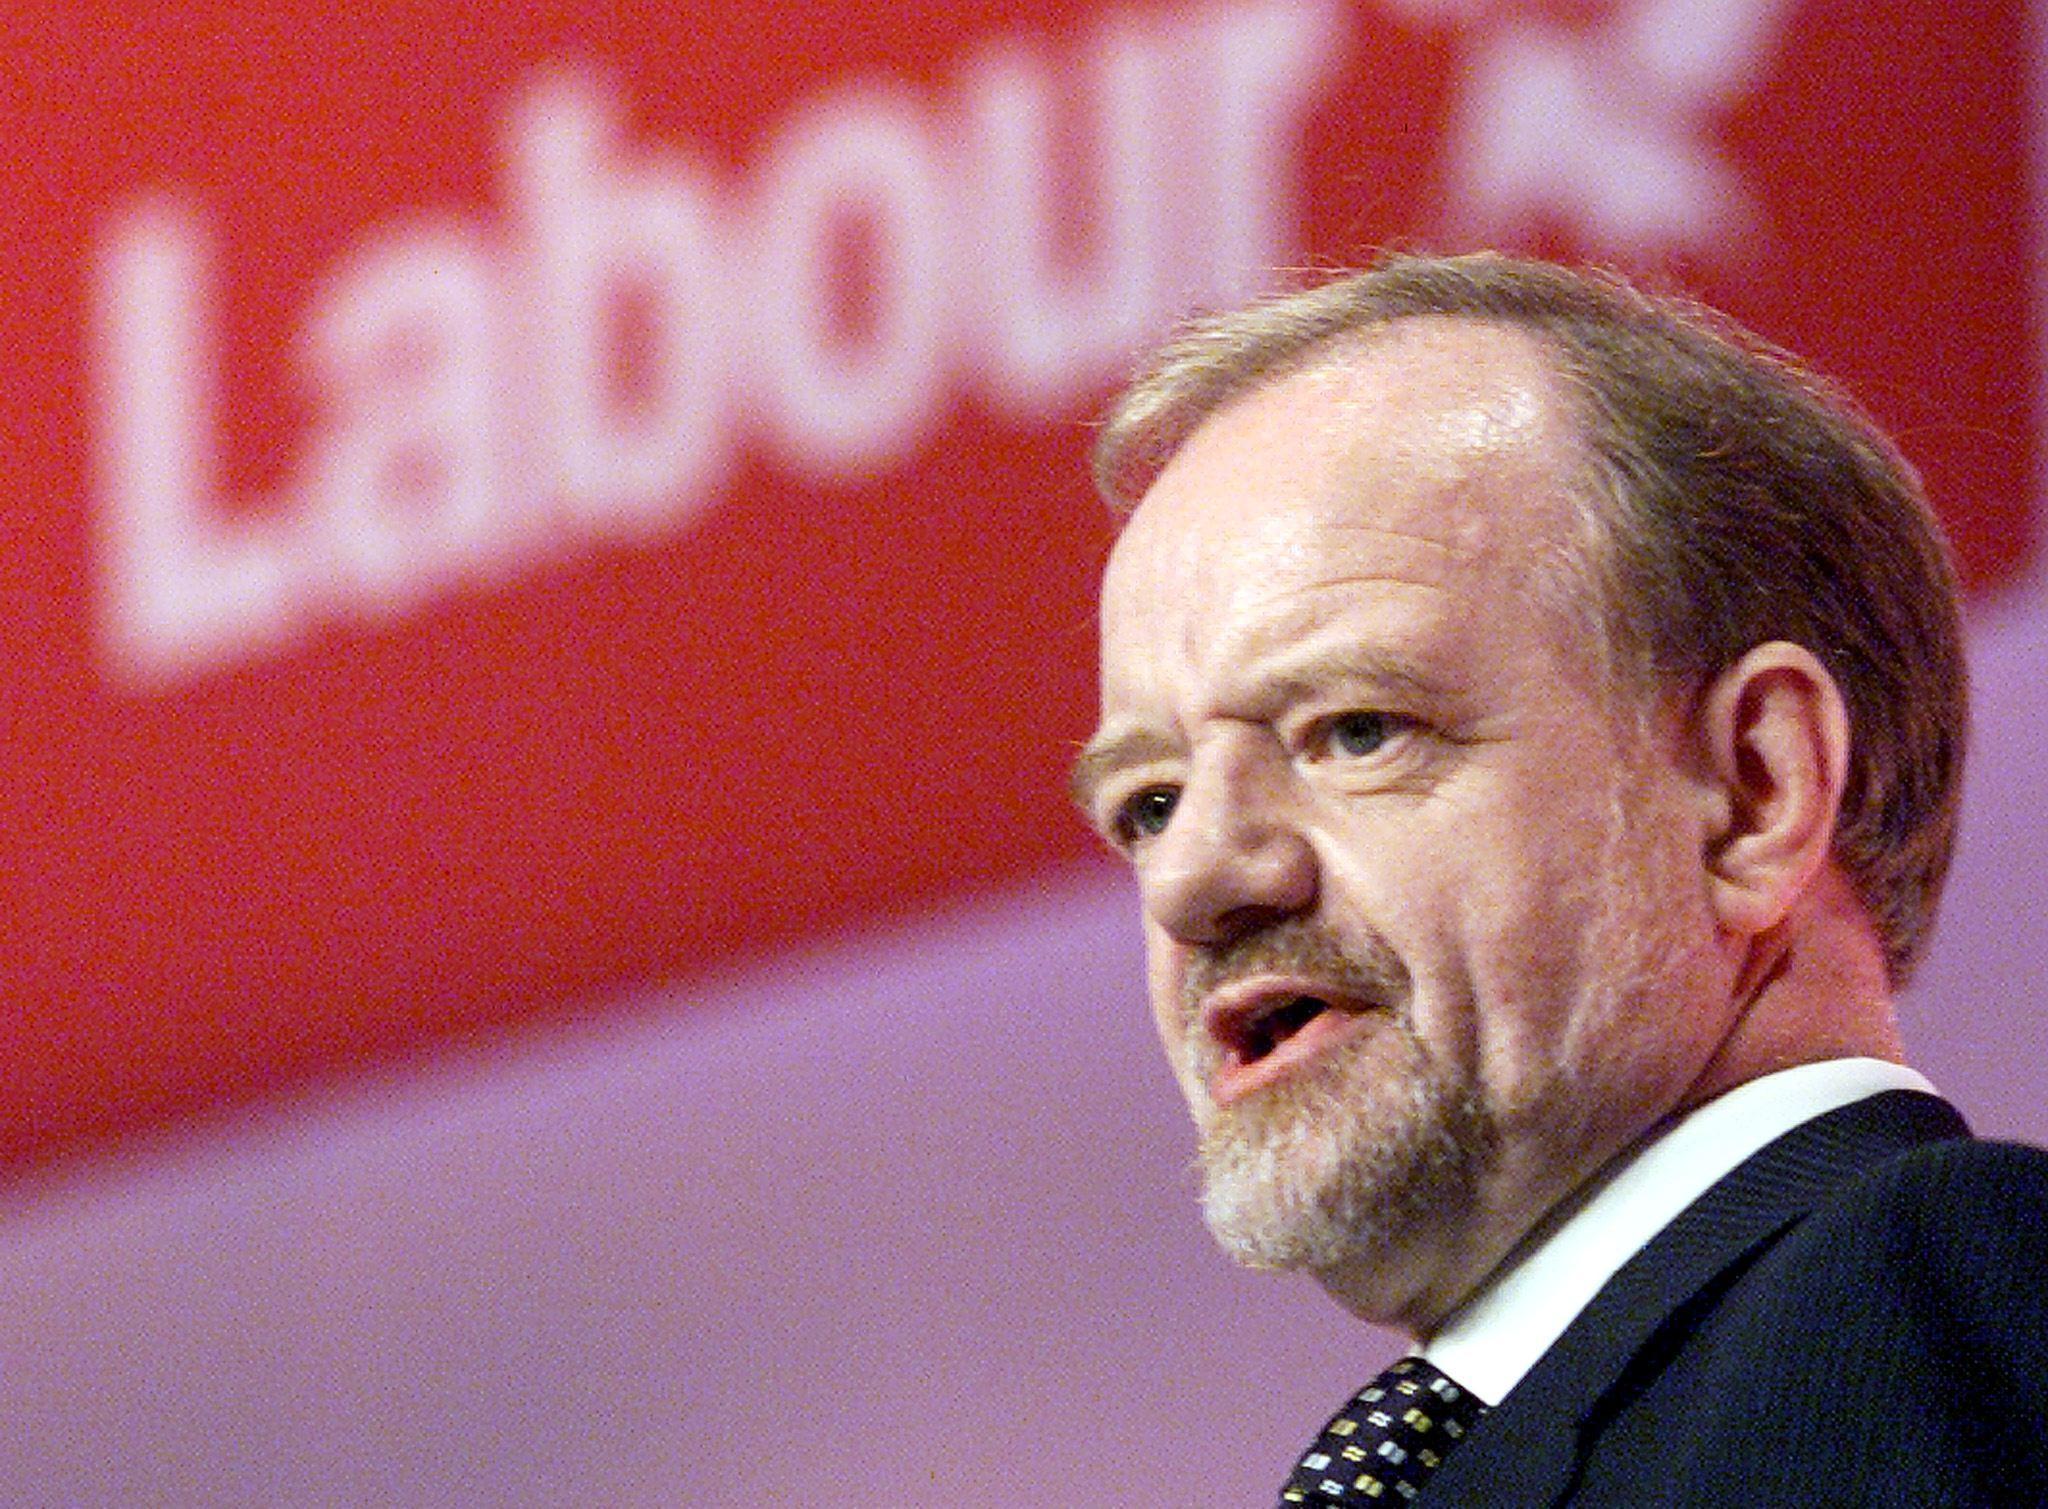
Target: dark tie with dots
(1382,1446)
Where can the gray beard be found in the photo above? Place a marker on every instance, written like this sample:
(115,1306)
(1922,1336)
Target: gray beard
(1341,1162)
(1324,1172)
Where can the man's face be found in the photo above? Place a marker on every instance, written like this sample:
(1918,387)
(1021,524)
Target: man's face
(1422,915)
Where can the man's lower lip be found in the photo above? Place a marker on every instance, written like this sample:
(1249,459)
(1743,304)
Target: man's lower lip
(1318,1036)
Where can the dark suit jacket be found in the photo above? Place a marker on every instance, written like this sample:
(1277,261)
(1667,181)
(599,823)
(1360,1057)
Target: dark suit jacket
(1857,1315)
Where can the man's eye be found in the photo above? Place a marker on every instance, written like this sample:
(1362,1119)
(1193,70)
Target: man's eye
(1360,734)
(1145,814)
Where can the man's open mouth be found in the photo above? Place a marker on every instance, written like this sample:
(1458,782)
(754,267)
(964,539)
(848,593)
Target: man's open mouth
(1265,1027)
(1264,1030)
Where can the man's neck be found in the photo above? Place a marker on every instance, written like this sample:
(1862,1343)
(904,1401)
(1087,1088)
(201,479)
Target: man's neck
(1526,1303)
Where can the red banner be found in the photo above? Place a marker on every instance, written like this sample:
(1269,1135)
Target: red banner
(505,506)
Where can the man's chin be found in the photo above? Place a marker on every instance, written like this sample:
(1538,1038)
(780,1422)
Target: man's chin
(1290,1225)
(1304,1177)
(1280,1193)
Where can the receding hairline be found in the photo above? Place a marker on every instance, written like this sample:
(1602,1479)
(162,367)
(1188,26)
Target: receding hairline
(1187,410)
(1216,357)
(1572,572)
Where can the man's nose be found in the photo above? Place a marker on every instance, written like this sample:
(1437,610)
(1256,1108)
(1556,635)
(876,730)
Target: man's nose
(1233,857)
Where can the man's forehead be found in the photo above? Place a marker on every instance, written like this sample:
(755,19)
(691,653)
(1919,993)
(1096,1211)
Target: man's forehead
(1435,436)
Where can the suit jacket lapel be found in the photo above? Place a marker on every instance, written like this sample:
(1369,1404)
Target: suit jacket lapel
(1526,1452)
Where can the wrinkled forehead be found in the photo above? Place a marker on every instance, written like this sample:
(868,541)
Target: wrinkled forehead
(1437,452)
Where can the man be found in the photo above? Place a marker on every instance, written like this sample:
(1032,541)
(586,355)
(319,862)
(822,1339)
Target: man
(1534,714)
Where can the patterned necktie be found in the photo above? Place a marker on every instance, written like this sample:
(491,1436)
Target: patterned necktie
(1382,1446)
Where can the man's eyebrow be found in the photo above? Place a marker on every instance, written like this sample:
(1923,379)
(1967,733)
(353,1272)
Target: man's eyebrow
(1109,752)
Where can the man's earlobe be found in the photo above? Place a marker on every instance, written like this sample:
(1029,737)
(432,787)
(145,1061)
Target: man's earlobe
(1776,744)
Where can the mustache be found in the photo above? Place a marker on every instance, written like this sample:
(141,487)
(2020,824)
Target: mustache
(1366,969)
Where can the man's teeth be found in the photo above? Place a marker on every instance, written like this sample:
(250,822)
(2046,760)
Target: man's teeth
(1279,1024)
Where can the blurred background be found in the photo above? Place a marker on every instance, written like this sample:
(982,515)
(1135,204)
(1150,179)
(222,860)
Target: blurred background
(548,573)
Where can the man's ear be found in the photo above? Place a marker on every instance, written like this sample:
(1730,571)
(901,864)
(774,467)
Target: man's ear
(1775,735)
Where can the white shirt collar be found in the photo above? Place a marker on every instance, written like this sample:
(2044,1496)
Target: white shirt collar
(1497,1335)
